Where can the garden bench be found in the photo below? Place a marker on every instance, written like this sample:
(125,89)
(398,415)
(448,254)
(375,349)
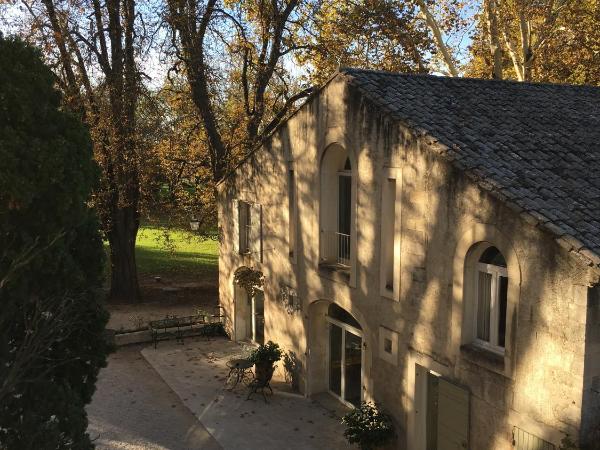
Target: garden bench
(201,324)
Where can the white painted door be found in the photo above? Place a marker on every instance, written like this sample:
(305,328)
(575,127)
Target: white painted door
(453,417)
(446,419)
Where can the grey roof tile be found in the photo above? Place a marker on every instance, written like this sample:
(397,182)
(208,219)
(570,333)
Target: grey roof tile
(535,144)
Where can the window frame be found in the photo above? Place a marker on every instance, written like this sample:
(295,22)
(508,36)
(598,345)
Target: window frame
(244,226)
(292,213)
(473,239)
(332,158)
(389,174)
(496,272)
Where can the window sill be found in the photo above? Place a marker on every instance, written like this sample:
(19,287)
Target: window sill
(484,357)
(388,294)
(335,272)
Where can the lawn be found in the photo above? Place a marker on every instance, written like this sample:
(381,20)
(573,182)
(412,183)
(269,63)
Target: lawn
(188,271)
(175,253)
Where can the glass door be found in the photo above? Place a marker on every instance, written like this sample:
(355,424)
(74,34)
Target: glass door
(335,359)
(345,363)
(352,368)
(258,318)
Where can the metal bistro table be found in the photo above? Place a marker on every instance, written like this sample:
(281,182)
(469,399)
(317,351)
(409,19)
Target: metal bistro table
(239,371)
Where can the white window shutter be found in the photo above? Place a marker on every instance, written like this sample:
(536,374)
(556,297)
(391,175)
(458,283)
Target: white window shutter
(235,215)
(256,231)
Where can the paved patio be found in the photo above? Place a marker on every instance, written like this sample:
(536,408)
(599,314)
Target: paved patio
(133,409)
(196,372)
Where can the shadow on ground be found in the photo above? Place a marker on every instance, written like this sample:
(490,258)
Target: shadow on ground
(133,409)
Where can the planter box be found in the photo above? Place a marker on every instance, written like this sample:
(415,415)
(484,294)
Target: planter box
(134,337)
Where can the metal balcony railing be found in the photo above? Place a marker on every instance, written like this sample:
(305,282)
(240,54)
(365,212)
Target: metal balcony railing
(336,248)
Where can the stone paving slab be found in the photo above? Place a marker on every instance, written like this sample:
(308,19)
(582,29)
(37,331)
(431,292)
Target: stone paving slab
(133,409)
(196,372)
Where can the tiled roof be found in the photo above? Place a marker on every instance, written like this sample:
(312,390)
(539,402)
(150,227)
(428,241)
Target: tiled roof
(534,146)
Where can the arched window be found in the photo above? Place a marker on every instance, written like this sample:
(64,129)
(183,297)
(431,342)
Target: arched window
(336,208)
(337,313)
(491,281)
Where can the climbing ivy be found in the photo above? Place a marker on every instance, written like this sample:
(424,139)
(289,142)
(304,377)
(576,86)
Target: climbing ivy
(251,280)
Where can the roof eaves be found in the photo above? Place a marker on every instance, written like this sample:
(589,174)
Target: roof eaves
(258,146)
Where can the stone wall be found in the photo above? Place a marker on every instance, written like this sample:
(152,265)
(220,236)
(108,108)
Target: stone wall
(545,377)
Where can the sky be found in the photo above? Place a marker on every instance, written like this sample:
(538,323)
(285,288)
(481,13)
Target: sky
(154,66)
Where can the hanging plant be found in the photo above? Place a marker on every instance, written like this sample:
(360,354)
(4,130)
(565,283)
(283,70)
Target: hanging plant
(251,280)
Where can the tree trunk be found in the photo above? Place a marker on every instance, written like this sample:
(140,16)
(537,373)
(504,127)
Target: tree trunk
(512,51)
(114,128)
(527,54)
(121,237)
(494,41)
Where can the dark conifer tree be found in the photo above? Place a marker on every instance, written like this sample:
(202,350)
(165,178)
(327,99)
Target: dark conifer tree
(51,261)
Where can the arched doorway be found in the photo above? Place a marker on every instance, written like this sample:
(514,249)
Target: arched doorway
(345,355)
(336,349)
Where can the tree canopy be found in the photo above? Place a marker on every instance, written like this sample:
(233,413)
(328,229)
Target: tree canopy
(176,92)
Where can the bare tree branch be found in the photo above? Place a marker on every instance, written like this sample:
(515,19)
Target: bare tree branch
(439,40)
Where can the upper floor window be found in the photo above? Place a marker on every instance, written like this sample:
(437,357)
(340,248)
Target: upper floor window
(390,233)
(491,280)
(244,214)
(248,229)
(486,281)
(337,198)
(292,217)
(344,211)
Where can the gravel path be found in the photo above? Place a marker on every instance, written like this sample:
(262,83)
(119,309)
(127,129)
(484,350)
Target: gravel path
(134,409)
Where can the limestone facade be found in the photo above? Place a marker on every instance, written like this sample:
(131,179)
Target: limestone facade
(408,278)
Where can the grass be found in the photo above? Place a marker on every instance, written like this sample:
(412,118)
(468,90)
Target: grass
(175,253)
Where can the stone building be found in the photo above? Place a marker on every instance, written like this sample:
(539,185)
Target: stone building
(431,244)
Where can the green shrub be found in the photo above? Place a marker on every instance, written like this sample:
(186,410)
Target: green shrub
(567,444)
(368,427)
(292,366)
(51,320)
(213,329)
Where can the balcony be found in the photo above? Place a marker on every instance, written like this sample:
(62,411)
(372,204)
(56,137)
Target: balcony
(335,251)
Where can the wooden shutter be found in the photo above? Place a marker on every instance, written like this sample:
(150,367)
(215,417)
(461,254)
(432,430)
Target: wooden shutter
(235,218)
(256,245)
(452,416)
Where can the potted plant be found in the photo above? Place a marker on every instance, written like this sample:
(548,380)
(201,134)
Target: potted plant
(291,365)
(264,358)
(368,427)
(567,444)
